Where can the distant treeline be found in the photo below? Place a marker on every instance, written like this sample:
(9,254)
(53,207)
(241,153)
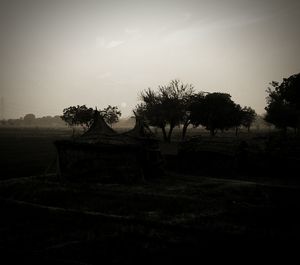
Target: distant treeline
(126,123)
(30,120)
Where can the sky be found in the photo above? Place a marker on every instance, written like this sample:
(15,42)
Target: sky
(58,53)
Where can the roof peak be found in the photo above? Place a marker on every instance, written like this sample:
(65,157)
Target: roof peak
(99,126)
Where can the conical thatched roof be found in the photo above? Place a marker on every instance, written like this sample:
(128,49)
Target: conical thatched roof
(94,154)
(141,129)
(99,127)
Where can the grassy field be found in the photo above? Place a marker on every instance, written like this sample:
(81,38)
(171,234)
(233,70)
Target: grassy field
(205,207)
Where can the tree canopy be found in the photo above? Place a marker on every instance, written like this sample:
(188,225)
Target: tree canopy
(111,114)
(29,119)
(248,117)
(166,107)
(78,115)
(178,104)
(218,111)
(83,116)
(283,103)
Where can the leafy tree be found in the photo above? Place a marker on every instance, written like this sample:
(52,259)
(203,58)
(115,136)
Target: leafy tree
(248,117)
(29,119)
(78,115)
(165,107)
(83,116)
(111,114)
(218,111)
(152,110)
(235,120)
(176,98)
(283,103)
(194,110)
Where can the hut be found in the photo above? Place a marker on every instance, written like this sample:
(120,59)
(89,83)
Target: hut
(103,155)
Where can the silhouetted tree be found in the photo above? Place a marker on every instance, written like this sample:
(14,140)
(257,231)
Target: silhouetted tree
(194,110)
(248,117)
(283,103)
(29,119)
(78,115)
(152,110)
(111,114)
(218,111)
(83,116)
(236,118)
(165,107)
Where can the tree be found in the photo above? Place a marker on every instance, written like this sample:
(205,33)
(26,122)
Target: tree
(29,119)
(165,107)
(78,115)
(83,116)
(248,117)
(283,103)
(111,114)
(217,111)
(151,109)
(194,110)
(235,120)
(176,98)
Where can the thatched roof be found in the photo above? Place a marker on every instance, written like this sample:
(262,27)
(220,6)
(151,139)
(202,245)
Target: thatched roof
(100,133)
(99,127)
(141,129)
(95,153)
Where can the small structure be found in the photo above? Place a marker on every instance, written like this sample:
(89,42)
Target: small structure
(103,155)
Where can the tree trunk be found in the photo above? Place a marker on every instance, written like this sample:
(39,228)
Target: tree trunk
(212,132)
(164,133)
(236,131)
(170,133)
(185,126)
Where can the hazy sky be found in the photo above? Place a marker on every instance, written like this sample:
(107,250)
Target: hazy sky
(54,54)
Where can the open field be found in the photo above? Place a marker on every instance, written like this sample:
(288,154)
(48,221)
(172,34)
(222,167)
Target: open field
(27,151)
(206,206)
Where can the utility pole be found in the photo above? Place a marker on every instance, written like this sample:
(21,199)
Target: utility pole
(2,109)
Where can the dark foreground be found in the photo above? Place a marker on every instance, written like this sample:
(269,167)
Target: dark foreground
(220,206)
(176,219)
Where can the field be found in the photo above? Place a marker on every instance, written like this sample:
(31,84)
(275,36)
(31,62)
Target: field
(205,207)
(27,151)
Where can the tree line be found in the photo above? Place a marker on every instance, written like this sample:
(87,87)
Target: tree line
(178,104)
(30,120)
(173,105)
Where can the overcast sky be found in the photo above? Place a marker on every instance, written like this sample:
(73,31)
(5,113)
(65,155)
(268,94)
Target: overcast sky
(54,54)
